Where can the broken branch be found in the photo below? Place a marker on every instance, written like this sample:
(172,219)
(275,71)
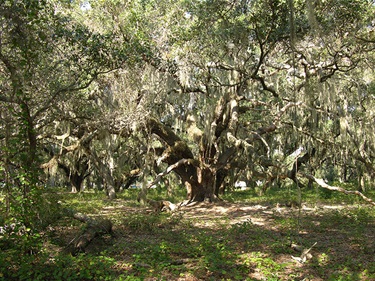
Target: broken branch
(321,183)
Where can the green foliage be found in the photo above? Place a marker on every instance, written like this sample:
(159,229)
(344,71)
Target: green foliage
(48,57)
(340,13)
(21,236)
(267,265)
(142,223)
(62,267)
(78,201)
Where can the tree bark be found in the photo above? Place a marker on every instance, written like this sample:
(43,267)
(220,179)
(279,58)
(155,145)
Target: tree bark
(177,150)
(200,177)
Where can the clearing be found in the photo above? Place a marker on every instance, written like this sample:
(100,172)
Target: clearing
(225,241)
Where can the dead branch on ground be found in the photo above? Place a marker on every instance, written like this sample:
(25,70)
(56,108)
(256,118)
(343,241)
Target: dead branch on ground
(94,228)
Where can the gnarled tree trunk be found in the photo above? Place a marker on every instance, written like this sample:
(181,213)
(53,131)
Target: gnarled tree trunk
(199,177)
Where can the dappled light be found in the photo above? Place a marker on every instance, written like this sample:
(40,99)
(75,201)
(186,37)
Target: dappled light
(235,240)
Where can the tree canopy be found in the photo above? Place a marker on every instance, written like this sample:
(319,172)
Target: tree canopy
(99,94)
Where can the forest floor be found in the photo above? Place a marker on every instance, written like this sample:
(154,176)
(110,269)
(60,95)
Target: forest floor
(229,241)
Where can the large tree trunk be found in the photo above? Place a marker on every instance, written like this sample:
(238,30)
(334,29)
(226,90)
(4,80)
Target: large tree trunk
(195,190)
(217,147)
(76,180)
(199,178)
(76,175)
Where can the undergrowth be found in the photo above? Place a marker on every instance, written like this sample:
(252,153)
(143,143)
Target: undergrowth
(180,246)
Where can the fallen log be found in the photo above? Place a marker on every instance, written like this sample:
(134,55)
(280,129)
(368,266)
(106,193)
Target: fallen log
(94,228)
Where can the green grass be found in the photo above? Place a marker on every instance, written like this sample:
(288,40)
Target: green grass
(149,246)
(310,196)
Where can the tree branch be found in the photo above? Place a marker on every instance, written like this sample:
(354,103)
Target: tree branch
(321,183)
(170,169)
(73,87)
